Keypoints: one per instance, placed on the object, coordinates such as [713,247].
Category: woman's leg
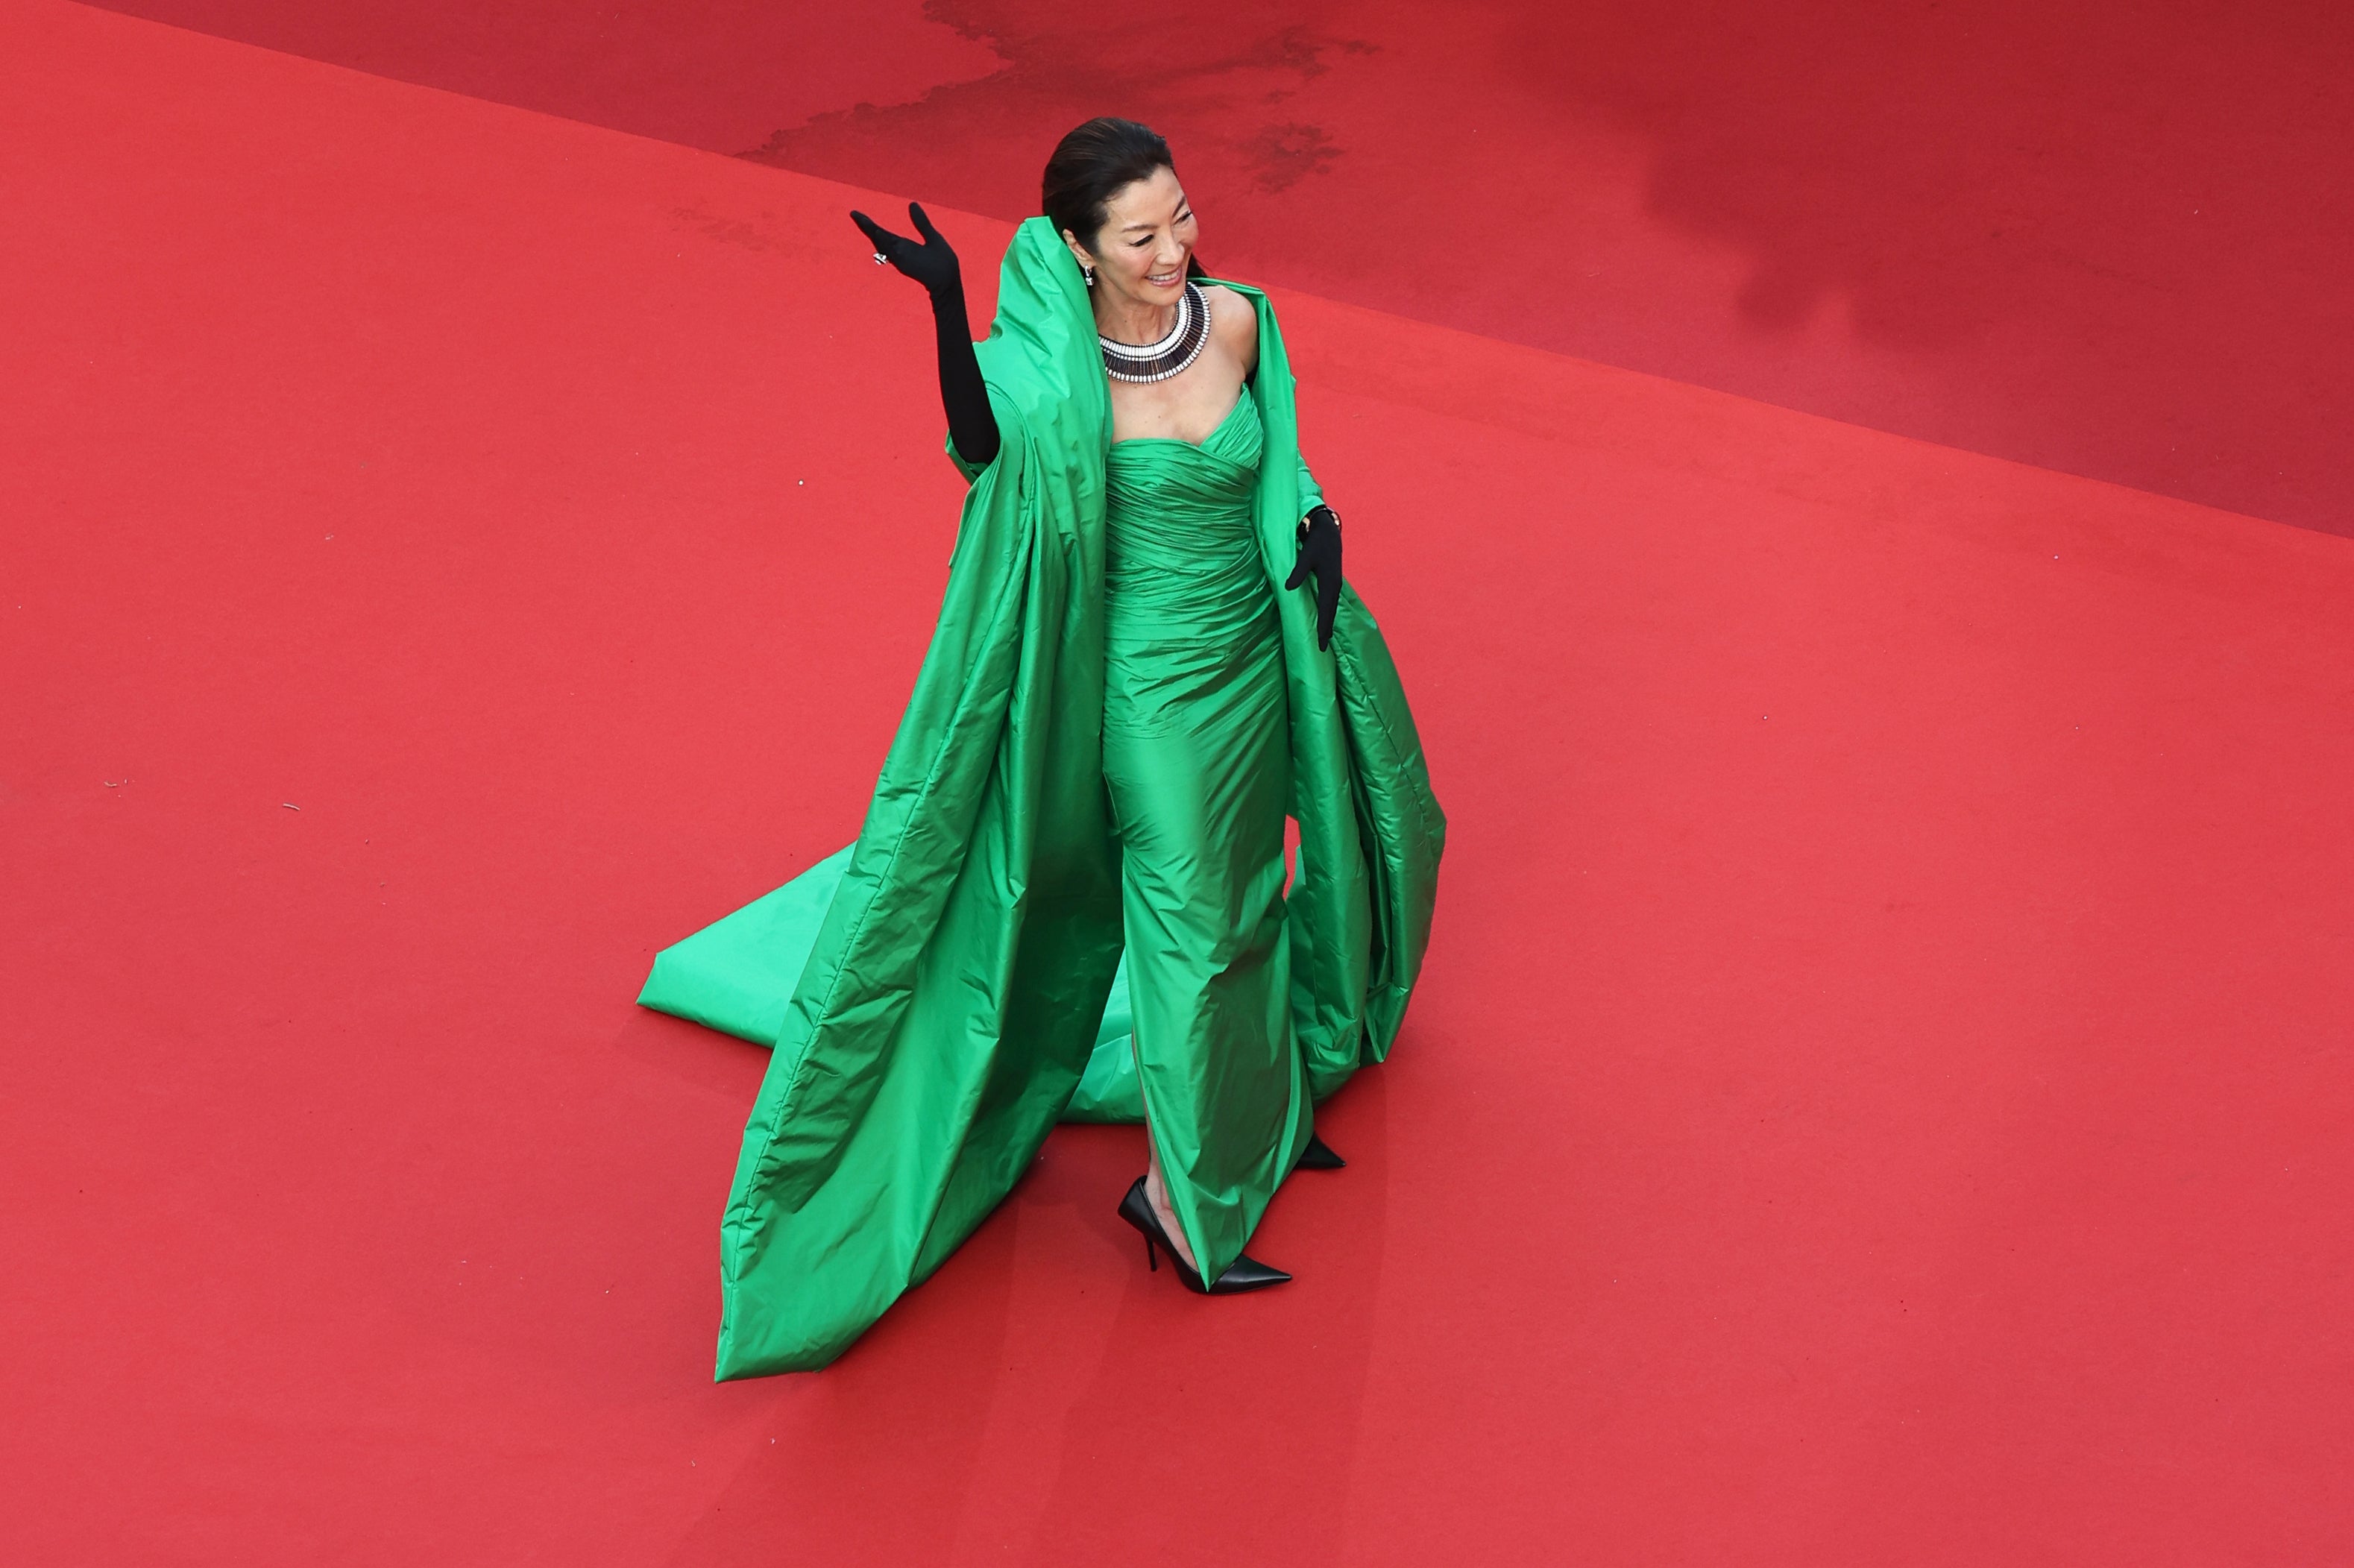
[1156,1193]
[1197,761]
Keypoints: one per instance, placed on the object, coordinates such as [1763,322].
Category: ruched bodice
[1181,557]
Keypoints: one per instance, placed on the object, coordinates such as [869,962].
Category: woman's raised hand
[930,262]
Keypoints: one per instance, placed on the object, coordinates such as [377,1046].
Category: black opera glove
[964,396]
[1320,558]
[930,263]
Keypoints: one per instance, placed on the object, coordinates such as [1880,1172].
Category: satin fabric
[953,988]
[1197,761]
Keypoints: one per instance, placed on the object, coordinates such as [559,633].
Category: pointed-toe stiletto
[1318,1156]
[1246,1273]
[1242,1274]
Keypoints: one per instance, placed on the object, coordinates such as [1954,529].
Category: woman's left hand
[1320,557]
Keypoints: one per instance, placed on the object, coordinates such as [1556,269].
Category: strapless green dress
[1197,765]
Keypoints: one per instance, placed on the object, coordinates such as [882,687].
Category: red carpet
[1879,1094]
[2104,237]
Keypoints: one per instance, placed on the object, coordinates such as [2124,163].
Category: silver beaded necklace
[1160,361]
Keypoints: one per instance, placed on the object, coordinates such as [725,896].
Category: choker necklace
[1160,361]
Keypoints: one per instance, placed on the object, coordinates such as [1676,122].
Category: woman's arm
[1234,323]
[1319,528]
[964,396]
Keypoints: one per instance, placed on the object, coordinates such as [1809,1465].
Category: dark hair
[1094,163]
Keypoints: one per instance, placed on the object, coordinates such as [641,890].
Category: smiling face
[1140,253]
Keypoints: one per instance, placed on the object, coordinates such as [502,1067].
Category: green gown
[1198,766]
[1118,708]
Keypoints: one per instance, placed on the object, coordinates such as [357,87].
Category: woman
[1117,711]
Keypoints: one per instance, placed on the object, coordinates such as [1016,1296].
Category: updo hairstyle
[1094,163]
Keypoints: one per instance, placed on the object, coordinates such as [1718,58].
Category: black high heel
[1242,1274]
[1318,1156]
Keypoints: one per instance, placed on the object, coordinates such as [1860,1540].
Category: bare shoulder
[1230,310]
[1233,322]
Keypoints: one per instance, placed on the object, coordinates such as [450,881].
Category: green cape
[935,992]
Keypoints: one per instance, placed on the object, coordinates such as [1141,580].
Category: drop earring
[1091,274]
